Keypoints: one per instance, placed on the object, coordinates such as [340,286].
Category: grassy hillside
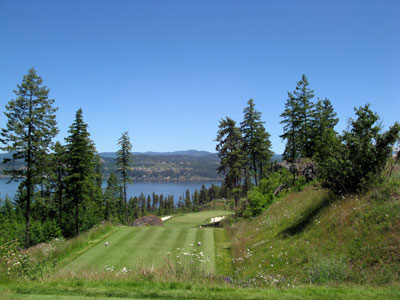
[314,237]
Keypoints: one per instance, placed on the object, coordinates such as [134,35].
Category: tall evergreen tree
[324,119]
[256,143]
[291,128]
[31,126]
[203,197]
[188,203]
[232,160]
[111,197]
[124,158]
[80,157]
[303,95]
[59,166]
[298,115]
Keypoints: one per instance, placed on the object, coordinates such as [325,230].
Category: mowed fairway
[130,247]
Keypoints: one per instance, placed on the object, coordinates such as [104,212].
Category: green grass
[174,290]
[194,219]
[309,245]
[313,237]
[148,247]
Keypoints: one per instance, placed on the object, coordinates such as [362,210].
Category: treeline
[345,163]
[61,188]
[157,204]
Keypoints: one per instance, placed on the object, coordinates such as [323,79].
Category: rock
[150,220]
[301,167]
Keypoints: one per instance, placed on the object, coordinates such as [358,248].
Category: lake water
[175,188]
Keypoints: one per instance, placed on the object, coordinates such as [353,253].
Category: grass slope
[313,237]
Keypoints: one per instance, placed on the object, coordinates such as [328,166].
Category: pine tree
[188,203]
[196,202]
[298,116]
[324,119]
[303,95]
[232,160]
[31,126]
[111,197]
[80,158]
[155,202]
[256,143]
[203,197]
[142,203]
[124,158]
[148,203]
[59,165]
[291,129]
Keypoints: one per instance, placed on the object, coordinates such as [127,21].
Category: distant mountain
[277,157]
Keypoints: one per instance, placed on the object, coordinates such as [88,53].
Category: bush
[262,196]
[349,163]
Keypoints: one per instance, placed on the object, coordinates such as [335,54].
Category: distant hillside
[167,166]
[178,165]
[193,153]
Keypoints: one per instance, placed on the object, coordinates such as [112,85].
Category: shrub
[349,163]
[262,196]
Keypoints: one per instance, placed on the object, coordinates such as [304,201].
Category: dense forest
[61,192]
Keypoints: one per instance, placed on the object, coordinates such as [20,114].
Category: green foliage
[262,196]
[256,143]
[31,125]
[124,158]
[232,160]
[80,156]
[305,122]
[349,163]
[297,116]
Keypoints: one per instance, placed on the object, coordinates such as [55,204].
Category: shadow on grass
[307,216]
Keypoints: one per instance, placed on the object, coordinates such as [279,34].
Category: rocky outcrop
[148,221]
[301,167]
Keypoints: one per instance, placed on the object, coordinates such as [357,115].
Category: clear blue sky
[168,71]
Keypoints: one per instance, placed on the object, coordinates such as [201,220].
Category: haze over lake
[175,188]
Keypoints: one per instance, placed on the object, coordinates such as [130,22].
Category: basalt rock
[300,167]
[148,221]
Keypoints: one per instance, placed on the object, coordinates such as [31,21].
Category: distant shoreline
[2,176]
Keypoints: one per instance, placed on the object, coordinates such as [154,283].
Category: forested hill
[178,165]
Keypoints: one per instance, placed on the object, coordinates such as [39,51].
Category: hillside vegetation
[316,237]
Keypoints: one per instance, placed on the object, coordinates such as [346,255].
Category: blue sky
[168,71]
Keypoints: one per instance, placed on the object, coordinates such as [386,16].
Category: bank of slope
[315,237]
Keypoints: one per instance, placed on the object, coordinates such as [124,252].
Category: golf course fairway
[149,246]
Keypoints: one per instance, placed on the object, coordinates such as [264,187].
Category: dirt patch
[148,221]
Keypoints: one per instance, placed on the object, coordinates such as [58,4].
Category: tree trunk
[28,175]
[126,205]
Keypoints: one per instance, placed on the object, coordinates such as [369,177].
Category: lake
[175,188]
